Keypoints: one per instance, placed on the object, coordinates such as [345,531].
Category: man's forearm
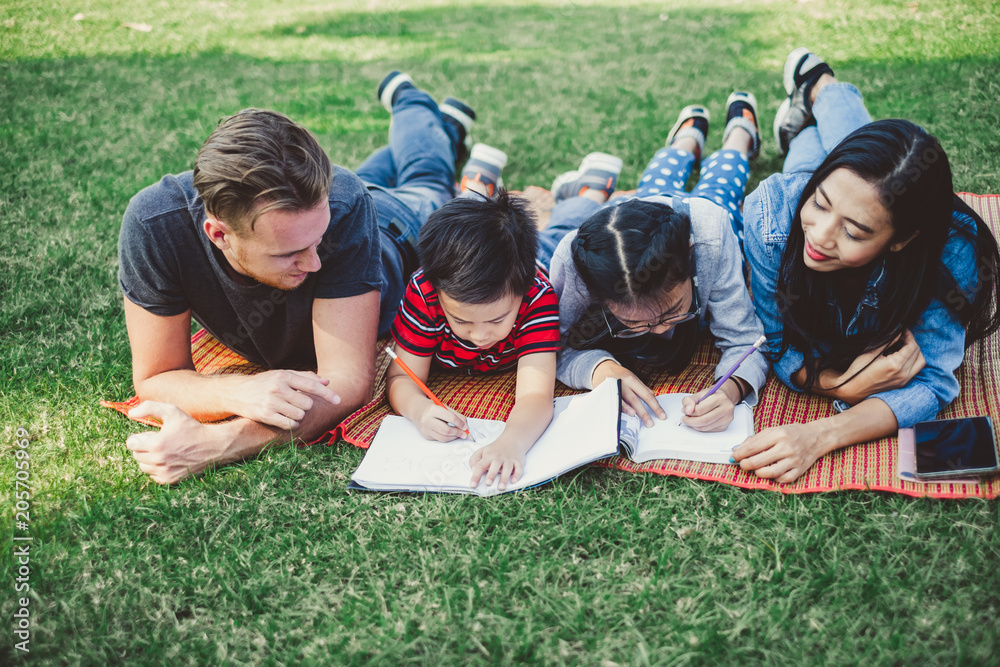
[242,438]
[204,397]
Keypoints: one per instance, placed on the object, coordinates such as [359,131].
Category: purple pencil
[722,380]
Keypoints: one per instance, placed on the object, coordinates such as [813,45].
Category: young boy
[481,303]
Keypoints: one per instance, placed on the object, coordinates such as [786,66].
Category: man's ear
[218,232]
[896,247]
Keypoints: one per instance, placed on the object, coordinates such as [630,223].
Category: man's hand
[280,398]
[180,448]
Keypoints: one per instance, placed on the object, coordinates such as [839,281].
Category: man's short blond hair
[257,161]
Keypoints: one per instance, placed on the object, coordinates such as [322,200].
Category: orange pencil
[423,387]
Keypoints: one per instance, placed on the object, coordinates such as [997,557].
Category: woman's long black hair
[910,171]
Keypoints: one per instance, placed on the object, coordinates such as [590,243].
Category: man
[283,258]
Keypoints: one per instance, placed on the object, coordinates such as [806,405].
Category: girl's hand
[505,460]
[636,396]
[715,412]
[434,421]
[782,453]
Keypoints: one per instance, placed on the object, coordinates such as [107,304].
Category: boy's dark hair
[257,161]
[478,250]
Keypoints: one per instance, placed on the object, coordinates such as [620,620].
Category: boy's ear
[896,247]
[217,231]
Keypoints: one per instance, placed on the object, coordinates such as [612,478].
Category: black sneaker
[460,116]
[741,111]
[802,70]
[692,122]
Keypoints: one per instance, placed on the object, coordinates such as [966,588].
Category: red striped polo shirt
[422,329]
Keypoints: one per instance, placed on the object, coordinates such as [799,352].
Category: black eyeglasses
[672,320]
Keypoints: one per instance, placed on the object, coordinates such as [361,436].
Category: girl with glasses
[647,276]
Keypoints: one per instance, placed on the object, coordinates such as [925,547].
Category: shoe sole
[388,87]
[562,179]
[750,100]
[602,162]
[489,155]
[743,96]
[791,65]
[456,103]
[450,108]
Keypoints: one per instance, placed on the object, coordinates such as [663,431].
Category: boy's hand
[498,458]
[441,423]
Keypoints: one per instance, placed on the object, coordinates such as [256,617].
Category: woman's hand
[636,396]
[785,453]
[782,453]
[872,372]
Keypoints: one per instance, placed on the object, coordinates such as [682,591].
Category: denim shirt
[768,215]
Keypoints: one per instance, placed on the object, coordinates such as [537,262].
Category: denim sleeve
[941,338]
[574,368]
[764,257]
[731,315]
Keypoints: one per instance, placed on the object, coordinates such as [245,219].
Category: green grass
[272,561]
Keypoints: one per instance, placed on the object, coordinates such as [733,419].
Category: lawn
[272,561]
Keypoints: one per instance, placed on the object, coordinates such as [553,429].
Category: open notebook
[584,428]
[669,439]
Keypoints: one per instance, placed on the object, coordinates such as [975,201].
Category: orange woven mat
[868,466]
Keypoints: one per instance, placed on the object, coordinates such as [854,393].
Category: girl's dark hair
[910,172]
[478,250]
[632,253]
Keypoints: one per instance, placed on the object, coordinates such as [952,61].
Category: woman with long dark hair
[646,277]
[871,277]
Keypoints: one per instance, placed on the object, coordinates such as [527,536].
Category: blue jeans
[723,181]
[409,179]
[838,110]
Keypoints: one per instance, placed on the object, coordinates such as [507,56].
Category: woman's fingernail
[732,460]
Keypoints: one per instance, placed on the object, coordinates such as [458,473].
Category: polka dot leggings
[723,179]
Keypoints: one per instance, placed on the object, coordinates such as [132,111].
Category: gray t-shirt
[168,265]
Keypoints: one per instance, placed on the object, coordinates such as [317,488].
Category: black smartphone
[963,447]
